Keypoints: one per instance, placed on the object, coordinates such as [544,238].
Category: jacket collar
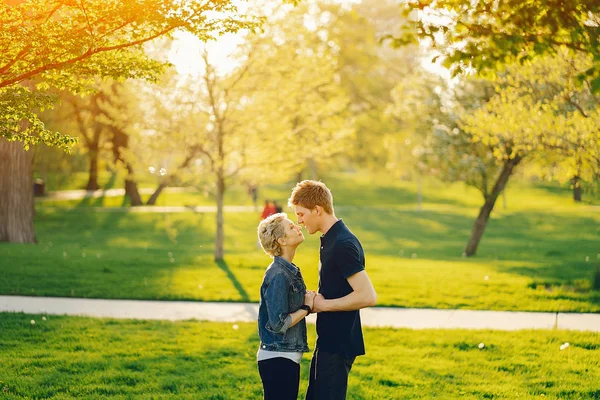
[282,261]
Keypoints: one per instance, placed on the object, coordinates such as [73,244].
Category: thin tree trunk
[312,165]
[220,237]
[152,200]
[419,193]
[16,193]
[576,183]
[93,164]
[488,206]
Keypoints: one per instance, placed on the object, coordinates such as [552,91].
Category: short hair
[269,230]
[309,194]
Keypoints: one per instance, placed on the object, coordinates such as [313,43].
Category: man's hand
[318,303]
[309,297]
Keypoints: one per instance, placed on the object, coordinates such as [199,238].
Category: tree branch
[90,52]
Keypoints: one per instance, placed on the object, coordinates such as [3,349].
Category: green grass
[67,357]
[533,253]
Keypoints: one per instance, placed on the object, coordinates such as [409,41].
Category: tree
[298,97]
[535,110]
[241,124]
[432,141]
[65,44]
[368,72]
[87,111]
[485,35]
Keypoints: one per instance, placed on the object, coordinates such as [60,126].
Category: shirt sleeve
[276,295]
[350,259]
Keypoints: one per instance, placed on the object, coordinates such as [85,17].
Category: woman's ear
[281,241]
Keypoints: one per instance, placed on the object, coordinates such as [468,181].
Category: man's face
[308,218]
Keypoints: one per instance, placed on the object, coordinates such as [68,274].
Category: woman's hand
[309,298]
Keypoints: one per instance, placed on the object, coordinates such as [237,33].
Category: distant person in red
[268,210]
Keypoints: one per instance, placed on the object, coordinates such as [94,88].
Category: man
[344,288]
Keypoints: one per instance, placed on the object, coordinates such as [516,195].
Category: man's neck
[328,221]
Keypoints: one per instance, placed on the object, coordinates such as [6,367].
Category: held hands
[309,298]
[318,303]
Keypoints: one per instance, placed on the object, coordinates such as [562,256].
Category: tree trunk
[488,206]
[120,140]
[16,193]
[419,193]
[131,190]
[312,166]
[220,237]
[152,200]
[93,172]
[576,183]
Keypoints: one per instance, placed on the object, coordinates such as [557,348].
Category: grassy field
[67,357]
[538,254]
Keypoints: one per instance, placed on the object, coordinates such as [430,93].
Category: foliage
[485,35]
[65,44]
[538,109]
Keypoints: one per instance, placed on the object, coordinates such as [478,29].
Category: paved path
[84,194]
[161,209]
[247,312]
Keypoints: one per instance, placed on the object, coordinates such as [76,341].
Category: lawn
[538,254]
[69,357]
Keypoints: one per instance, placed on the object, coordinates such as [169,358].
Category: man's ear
[319,210]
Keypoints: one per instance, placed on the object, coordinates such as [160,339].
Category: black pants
[280,378]
[328,376]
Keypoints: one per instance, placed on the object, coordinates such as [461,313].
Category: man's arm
[363,295]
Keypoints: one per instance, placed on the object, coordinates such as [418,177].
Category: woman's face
[293,233]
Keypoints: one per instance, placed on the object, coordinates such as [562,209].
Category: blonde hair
[269,230]
[309,194]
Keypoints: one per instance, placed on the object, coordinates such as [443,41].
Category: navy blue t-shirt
[341,256]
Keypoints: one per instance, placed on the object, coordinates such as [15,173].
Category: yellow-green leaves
[66,44]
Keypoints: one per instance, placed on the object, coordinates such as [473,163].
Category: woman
[284,304]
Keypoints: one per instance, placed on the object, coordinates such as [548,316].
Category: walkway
[93,194]
[247,312]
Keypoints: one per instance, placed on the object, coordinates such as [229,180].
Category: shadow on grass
[89,201]
[222,264]
[590,194]
[550,246]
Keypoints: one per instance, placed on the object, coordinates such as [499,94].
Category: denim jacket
[281,293]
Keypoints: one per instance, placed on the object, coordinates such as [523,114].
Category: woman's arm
[297,316]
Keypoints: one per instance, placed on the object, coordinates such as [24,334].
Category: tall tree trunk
[576,183]
[488,206]
[93,164]
[120,141]
[16,193]
[220,237]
